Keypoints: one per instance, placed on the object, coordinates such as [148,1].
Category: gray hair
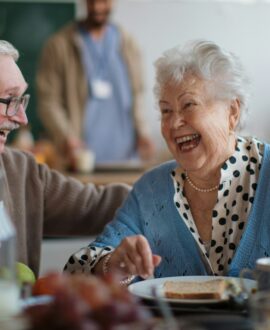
[7,49]
[205,60]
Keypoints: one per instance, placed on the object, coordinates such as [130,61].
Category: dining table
[186,317]
[230,314]
[99,177]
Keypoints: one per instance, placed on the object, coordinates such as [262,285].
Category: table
[204,318]
[106,177]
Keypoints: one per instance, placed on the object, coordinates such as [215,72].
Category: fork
[170,321]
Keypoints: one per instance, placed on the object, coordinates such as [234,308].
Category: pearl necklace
[203,190]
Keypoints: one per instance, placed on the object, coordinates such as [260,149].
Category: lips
[188,142]
[4,133]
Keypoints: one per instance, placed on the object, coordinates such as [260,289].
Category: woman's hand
[133,257]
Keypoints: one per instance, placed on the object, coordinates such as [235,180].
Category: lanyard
[98,51]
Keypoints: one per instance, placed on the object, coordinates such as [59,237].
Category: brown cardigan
[44,202]
[62,84]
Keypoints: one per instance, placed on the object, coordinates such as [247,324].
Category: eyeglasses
[13,104]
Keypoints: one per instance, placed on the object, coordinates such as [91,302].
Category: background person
[206,213]
[90,89]
[41,201]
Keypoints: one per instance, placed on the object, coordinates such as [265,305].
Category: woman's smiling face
[196,125]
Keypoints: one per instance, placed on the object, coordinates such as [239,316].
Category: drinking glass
[260,310]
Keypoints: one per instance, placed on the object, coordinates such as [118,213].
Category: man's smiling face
[12,84]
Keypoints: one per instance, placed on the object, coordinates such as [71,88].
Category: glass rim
[24,98]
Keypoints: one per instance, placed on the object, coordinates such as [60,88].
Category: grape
[87,303]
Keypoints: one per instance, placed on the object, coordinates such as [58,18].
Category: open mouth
[4,133]
[188,142]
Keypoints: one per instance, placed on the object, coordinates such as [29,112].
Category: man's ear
[234,113]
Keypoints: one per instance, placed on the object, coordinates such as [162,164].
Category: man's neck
[97,32]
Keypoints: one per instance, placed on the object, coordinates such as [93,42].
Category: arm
[52,98]
[124,236]
[73,208]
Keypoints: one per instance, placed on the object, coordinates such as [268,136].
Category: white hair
[7,49]
[207,61]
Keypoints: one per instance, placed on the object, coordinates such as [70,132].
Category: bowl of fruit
[80,302]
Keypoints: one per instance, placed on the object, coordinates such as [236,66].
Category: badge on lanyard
[101,89]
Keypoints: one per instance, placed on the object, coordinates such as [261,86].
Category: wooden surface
[101,178]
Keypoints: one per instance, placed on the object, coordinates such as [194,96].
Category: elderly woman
[206,213]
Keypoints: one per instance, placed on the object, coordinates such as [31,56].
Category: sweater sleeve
[73,208]
[127,222]
[51,102]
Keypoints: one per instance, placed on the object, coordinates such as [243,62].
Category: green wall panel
[27,25]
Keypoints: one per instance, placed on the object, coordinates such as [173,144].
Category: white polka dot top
[239,177]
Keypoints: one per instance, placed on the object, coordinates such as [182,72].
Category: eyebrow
[183,94]
[15,89]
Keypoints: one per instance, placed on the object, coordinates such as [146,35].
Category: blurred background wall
[240,26]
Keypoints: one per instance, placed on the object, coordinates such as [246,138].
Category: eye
[165,111]
[188,105]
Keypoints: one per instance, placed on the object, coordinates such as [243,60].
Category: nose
[177,119]
[20,117]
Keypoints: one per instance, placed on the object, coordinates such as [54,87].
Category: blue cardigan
[149,210]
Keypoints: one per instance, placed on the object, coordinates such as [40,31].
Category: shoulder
[22,163]
[62,37]
[15,158]
[158,175]
[126,38]
[66,30]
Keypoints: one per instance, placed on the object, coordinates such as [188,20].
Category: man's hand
[73,144]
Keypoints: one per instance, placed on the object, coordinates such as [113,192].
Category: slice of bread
[212,289]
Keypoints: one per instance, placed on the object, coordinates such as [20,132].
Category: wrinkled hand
[134,257]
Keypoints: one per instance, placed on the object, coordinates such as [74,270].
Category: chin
[191,164]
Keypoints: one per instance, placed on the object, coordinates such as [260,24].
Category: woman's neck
[209,176]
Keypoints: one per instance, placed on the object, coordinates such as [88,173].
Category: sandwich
[212,289]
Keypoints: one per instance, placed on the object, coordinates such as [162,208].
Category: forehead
[190,84]
[11,78]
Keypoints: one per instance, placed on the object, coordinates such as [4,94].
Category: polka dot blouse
[239,176]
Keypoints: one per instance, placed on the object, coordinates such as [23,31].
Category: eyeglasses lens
[15,103]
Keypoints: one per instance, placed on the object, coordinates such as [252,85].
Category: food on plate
[212,289]
[85,302]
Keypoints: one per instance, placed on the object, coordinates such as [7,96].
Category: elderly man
[41,201]
[90,83]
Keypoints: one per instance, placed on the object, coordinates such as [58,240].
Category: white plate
[38,300]
[144,289]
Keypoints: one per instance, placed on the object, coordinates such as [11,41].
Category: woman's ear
[234,114]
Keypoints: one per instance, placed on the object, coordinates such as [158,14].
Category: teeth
[187,138]
[4,132]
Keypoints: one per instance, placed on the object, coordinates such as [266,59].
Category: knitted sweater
[150,210]
[44,202]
